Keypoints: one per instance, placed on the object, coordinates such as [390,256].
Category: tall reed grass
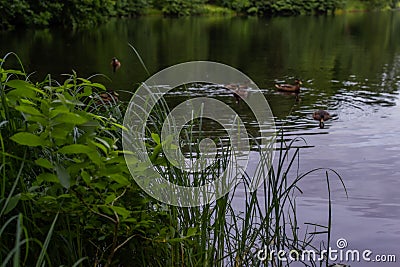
[231,230]
[67,198]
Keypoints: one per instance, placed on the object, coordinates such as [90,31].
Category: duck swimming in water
[321,116]
[115,64]
[294,88]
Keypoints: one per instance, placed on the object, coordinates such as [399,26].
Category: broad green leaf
[98,85]
[40,119]
[63,176]
[75,149]
[122,180]
[58,110]
[121,211]
[29,110]
[115,187]
[24,86]
[45,163]
[112,169]
[21,92]
[26,101]
[79,165]
[95,157]
[86,177]
[87,91]
[120,126]
[100,185]
[20,84]
[60,132]
[82,149]
[64,196]
[156,138]
[12,203]
[118,159]
[131,220]
[70,117]
[45,107]
[110,198]
[85,81]
[156,151]
[47,177]
[104,142]
[28,139]
[18,72]
[102,147]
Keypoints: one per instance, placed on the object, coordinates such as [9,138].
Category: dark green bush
[180,7]
[71,13]
[290,7]
[62,162]
[378,4]
[92,12]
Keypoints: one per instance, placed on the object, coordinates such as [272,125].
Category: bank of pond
[32,13]
[67,196]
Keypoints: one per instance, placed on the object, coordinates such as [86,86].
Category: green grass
[221,235]
[358,5]
[68,199]
[355,5]
[212,10]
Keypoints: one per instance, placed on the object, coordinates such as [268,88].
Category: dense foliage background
[92,12]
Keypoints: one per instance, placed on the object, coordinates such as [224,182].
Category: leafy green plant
[67,162]
[181,7]
[67,197]
[72,13]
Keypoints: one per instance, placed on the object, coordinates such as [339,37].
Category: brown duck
[321,116]
[294,88]
[110,97]
[115,64]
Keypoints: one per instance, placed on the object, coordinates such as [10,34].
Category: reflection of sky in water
[365,151]
[362,144]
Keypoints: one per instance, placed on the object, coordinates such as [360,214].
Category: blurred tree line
[73,13]
[68,13]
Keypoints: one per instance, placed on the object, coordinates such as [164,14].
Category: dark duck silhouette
[293,88]
[321,116]
[115,64]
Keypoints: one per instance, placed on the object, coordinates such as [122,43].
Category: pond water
[349,65]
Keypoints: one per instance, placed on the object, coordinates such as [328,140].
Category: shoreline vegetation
[86,14]
[68,199]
